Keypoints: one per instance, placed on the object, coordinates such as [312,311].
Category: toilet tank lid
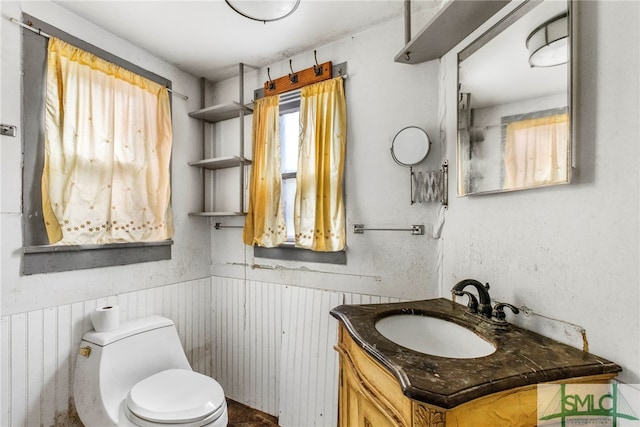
[127,329]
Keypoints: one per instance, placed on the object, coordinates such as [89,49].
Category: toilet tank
[121,358]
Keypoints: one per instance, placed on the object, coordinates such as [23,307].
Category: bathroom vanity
[386,384]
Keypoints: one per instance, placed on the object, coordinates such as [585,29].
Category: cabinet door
[356,407]
[370,416]
[348,398]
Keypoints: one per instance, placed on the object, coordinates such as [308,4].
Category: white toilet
[138,375]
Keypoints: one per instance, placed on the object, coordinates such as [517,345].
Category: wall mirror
[410,146]
[514,102]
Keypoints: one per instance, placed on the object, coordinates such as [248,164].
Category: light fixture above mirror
[547,44]
[264,10]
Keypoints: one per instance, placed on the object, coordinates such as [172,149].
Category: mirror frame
[496,29]
[426,139]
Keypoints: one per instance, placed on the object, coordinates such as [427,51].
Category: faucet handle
[498,310]
[472,305]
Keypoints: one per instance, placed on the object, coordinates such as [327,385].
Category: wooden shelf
[454,22]
[221,162]
[220,112]
[217,213]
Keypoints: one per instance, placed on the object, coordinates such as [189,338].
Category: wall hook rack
[297,79]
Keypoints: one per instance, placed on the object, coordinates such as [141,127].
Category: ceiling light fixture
[547,44]
[264,10]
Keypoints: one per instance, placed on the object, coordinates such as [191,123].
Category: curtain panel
[108,138]
[536,151]
[319,214]
[319,217]
[265,224]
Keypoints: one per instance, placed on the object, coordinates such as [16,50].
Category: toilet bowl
[189,399]
[138,375]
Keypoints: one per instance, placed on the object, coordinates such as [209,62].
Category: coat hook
[293,77]
[317,70]
[407,56]
[272,84]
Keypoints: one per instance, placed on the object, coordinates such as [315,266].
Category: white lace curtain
[108,142]
[536,151]
[319,217]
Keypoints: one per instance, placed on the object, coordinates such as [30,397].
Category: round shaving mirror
[410,146]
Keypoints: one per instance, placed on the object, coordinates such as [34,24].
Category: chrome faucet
[483,304]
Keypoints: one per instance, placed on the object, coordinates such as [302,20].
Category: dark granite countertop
[521,358]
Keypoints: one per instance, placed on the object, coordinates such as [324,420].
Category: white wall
[190,253]
[569,252]
[382,98]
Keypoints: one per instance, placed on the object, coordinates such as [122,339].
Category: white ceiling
[208,39]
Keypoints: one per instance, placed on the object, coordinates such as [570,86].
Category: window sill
[288,251]
[57,258]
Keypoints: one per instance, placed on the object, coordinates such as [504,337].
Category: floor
[244,416]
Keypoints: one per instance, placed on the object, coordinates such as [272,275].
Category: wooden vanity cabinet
[369,396]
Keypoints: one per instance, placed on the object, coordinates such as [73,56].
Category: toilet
[138,375]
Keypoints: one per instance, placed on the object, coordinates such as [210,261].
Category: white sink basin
[433,336]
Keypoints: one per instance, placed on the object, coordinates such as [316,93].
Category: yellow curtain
[319,218]
[265,225]
[108,143]
[536,151]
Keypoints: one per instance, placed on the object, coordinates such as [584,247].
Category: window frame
[38,255]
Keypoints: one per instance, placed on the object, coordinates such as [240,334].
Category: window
[39,256]
[291,129]
[535,148]
[289,136]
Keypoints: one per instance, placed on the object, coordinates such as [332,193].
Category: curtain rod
[45,35]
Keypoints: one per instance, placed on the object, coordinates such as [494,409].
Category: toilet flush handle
[85,351]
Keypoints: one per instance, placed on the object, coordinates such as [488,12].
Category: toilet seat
[175,397]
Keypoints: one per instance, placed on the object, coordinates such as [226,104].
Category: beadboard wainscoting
[39,348]
[273,348]
[269,345]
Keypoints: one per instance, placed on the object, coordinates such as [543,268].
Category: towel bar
[416,230]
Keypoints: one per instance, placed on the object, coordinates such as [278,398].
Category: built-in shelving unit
[216,114]
[455,21]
